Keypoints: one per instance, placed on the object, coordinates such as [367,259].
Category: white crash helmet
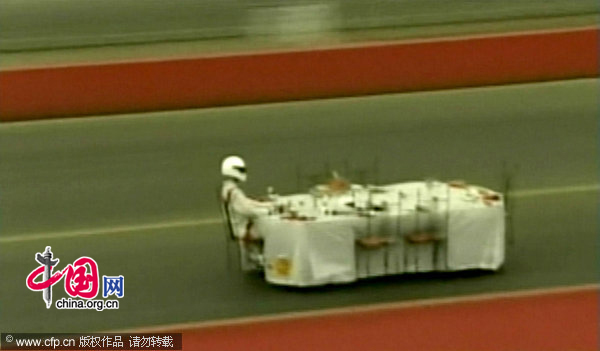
[234,167]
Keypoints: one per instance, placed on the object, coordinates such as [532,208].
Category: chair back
[226,214]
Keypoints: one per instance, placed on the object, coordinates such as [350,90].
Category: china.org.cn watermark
[81,282]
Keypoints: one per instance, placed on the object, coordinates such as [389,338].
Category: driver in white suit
[241,210]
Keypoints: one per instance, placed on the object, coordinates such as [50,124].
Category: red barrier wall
[537,322]
[373,69]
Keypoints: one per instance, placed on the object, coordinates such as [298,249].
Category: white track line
[555,191]
[216,220]
[366,308]
[110,230]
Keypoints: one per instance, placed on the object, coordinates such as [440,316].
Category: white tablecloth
[322,249]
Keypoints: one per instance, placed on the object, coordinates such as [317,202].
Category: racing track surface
[75,184]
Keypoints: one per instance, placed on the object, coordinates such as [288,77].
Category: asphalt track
[154,176]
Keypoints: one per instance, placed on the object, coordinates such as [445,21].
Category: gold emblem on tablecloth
[282,266]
